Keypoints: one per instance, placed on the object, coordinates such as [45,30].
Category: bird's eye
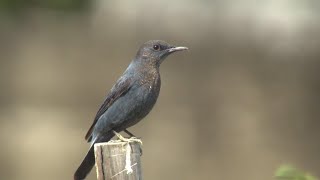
[156,47]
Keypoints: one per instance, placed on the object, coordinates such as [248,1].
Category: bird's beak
[174,49]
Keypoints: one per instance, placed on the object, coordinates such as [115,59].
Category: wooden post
[118,160]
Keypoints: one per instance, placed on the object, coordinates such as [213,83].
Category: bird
[130,99]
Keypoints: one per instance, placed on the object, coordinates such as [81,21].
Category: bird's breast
[149,87]
[151,82]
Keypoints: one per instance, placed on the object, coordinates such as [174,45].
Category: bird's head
[155,51]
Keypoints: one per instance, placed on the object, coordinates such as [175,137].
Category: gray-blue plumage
[129,108]
[130,99]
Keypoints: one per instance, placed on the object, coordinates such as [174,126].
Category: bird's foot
[128,140]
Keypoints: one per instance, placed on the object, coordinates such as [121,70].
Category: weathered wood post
[118,160]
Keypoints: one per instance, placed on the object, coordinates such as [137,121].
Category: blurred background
[242,101]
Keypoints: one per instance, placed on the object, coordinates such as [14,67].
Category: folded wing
[119,89]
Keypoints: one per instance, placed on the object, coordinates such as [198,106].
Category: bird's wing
[119,89]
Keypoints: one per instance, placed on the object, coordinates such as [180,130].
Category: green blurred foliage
[12,6]
[287,172]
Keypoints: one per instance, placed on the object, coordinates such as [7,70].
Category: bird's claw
[128,140]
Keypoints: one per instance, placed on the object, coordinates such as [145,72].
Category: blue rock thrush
[130,99]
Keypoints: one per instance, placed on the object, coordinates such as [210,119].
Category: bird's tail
[86,165]
[88,162]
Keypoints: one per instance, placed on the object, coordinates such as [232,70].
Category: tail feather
[88,162]
[86,165]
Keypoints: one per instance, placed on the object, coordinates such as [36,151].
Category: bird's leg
[132,136]
[129,133]
[131,139]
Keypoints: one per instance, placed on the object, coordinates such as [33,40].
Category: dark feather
[119,89]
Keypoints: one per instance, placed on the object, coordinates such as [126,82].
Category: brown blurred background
[242,101]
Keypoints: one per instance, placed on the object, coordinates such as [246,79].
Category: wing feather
[119,89]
